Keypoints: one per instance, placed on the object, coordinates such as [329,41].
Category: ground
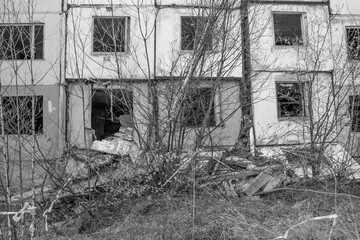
[210,215]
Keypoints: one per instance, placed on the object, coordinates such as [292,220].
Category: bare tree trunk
[246,123]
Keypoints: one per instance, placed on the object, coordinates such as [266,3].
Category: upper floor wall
[345,29]
[151,40]
[27,6]
[351,7]
[290,36]
[31,42]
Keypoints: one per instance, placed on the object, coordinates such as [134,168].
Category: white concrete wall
[79,110]
[46,71]
[227,114]
[315,33]
[16,75]
[344,7]
[310,62]
[272,129]
[82,63]
[346,70]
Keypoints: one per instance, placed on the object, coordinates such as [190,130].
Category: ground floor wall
[17,149]
[93,107]
[293,108]
[86,102]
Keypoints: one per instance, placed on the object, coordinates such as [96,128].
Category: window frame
[302,18]
[351,56]
[126,37]
[32,40]
[303,87]
[208,45]
[38,110]
[351,109]
[215,115]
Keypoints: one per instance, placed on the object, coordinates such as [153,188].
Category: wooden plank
[273,183]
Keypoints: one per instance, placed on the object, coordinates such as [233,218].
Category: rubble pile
[235,176]
[118,157]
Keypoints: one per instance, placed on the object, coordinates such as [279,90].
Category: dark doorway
[107,105]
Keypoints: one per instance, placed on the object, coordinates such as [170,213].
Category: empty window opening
[196,105]
[21,41]
[290,99]
[353,41]
[107,107]
[288,29]
[354,109]
[110,34]
[192,31]
[17,112]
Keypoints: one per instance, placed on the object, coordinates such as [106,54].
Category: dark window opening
[107,107]
[16,42]
[192,30]
[196,105]
[17,112]
[354,109]
[288,29]
[290,99]
[353,41]
[110,34]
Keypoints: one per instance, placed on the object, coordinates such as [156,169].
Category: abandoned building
[91,67]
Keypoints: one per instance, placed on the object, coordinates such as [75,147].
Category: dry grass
[219,217]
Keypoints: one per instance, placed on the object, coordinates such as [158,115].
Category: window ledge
[288,46]
[109,53]
[35,60]
[293,119]
[24,135]
[220,125]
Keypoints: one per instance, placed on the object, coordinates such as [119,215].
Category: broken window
[290,99]
[353,41]
[192,29]
[287,29]
[107,106]
[196,105]
[354,109]
[17,113]
[21,41]
[110,34]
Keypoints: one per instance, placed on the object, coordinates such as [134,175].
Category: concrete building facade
[90,63]
[32,60]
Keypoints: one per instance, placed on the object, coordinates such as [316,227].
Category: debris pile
[119,157]
[237,177]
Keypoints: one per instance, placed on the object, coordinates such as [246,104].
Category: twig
[308,190]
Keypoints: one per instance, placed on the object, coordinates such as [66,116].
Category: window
[110,34]
[287,29]
[196,105]
[354,109]
[107,105]
[353,41]
[290,99]
[24,120]
[23,41]
[192,29]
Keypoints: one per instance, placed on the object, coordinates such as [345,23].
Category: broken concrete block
[104,146]
[252,187]
[125,133]
[117,146]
